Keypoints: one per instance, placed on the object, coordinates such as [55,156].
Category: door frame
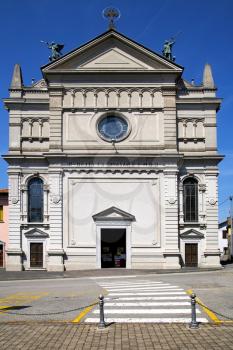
[37,267]
[199,248]
[113,225]
[189,243]
[35,235]
[29,253]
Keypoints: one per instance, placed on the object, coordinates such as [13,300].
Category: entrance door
[191,254]
[113,248]
[1,255]
[36,255]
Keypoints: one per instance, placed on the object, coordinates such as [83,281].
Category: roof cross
[111,14]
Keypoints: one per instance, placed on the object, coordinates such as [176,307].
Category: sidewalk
[30,275]
[116,337]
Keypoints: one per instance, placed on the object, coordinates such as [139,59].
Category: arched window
[190,200]
[35,200]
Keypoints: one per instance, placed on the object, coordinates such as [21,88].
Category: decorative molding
[191,139]
[202,187]
[56,199]
[27,225]
[113,214]
[193,234]
[14,252]
[14,200]
[56,252]
[33,119]
[150,97]
[112,171]
[36,233]
[191,119]
[212,201]
[118,90]
[172,200]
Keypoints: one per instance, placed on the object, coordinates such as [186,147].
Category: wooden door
[1,255]
[191,254]
[36,255]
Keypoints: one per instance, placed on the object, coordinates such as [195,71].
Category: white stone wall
[171,135]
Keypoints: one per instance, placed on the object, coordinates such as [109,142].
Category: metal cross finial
[111,14]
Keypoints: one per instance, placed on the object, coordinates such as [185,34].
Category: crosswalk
[144,301]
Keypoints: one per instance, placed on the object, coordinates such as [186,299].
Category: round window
[113,127]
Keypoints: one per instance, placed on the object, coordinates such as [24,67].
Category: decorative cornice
[112,171]
[118,90]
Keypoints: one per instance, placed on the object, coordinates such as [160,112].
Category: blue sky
[207,31]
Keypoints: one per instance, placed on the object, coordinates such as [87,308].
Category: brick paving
[115,337]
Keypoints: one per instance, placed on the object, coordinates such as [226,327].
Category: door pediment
[194,234]
[113,214]
[36,233]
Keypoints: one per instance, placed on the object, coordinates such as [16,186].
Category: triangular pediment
[192,234]
[39,84]
[115,59]
[36,233]
[112,51]
[112,214]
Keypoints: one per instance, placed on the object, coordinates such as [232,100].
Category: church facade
[113,162]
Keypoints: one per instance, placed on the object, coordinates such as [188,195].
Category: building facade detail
[113,162]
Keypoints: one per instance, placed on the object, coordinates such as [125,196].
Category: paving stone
[116,337]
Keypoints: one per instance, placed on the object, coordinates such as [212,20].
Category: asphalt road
[50,299]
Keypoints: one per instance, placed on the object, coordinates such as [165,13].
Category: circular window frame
[117,114]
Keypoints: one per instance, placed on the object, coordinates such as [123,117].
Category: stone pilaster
[55,251]
[211,249]
[55,120]
[171,236]
[170,127]
[14,251]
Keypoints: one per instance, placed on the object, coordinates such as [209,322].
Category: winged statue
[55,49]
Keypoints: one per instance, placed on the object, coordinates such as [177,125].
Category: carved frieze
[191,130]
[35,129]
[113,98]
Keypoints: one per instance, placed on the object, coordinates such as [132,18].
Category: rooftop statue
[167,49]
[55,50]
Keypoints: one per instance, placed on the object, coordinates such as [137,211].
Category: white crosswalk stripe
[144,301]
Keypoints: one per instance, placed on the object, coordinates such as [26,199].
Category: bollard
[101,324]
[193,323]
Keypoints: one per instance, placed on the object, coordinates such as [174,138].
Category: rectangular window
[191,202]
[1,212]
[224,234]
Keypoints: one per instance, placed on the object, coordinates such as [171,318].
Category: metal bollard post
[194,323]
[101,324]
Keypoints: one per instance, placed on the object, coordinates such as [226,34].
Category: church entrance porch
[113,247]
